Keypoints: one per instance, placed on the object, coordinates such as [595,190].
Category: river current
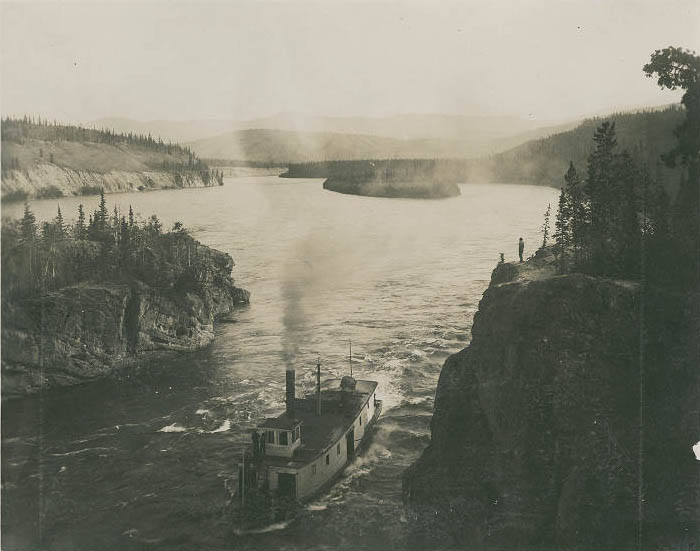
[143,461]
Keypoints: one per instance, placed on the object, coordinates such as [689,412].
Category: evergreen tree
[680,68]
[578,212]
[600,188]
[101,215]
[28,224]
[625,240]
[562,232]
[80,224]
[60,226]
[545,226]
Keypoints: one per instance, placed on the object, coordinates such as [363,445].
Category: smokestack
[318,387]
[290,393]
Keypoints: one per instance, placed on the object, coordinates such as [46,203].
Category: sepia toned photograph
[350,275]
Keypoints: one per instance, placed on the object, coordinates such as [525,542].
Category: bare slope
[47,160]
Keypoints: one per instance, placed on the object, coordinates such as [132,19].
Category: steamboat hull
[301,453]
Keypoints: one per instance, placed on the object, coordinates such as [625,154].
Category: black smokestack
[290,393]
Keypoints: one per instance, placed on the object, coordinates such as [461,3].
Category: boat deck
[339,409]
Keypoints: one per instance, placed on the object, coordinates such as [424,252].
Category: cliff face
[535,434]
[86,331]
[52,180]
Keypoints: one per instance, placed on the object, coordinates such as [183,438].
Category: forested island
[43,159]
[411,178]
[81,300]
[569,420]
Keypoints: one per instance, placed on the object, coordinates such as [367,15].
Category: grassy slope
[89,156]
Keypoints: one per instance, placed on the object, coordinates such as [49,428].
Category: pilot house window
[283,438]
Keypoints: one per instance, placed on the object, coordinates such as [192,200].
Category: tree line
[618,220]
[19,129]
[384,170]
[102,246]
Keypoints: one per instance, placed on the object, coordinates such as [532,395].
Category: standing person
[521,248]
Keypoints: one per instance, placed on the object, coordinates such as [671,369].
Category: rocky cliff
[48,180]
[536,428]
[88,330]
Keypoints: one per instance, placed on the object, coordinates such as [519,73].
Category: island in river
[411,178]
[80,301]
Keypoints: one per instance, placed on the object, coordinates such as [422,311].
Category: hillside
[49,160]
[287,146]
[544,161]
[476,129]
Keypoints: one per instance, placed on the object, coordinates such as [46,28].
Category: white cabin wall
[307,483]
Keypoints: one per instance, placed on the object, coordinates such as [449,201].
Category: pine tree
[28,224]
[578,212]
[600,188]
[625,240]
[131,217]
[60,226]
[101,215]
[562,231]
[80,224]
[545,226]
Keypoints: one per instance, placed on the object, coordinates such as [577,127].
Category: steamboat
[300,453]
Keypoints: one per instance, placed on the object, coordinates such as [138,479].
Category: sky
[547,60]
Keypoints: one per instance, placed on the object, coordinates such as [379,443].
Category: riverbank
[47,181]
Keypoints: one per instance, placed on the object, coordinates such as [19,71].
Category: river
[142,461]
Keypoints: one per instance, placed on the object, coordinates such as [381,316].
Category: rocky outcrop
[536,427]
[410,190]
[49,180]
[86,331]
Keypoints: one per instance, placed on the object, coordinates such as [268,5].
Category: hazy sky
[551,60]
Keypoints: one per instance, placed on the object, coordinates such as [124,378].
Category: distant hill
[286,146]
[405,126]
[41,159]
[646,135]
[298,138]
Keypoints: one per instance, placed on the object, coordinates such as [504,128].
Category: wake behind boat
[299,453]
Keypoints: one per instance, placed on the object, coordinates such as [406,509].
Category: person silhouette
[521,248]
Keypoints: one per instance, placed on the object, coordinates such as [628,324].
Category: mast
[318,387]
[350,357]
